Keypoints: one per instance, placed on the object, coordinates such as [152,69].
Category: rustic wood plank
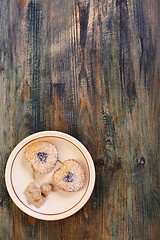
[91,69]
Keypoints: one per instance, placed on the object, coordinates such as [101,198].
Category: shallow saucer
[59,204]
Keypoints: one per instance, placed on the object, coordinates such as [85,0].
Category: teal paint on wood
[90,69]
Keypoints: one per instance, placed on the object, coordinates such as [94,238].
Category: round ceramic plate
[58,204]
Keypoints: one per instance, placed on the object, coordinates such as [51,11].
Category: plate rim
[86,195]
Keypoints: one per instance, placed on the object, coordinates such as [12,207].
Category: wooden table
[90,69]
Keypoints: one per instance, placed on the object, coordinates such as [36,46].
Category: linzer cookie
[70,177]
[42,156]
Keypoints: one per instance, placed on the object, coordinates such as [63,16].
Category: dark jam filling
[42,156]
[69,177]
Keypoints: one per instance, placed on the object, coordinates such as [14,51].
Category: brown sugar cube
[33,194]
[34,191]
[39,203]
[46,189]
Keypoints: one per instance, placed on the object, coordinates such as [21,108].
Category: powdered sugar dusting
[38,147]
[78,173]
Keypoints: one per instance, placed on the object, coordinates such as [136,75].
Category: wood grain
[91,69]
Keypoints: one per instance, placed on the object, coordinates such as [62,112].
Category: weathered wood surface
[90,69]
